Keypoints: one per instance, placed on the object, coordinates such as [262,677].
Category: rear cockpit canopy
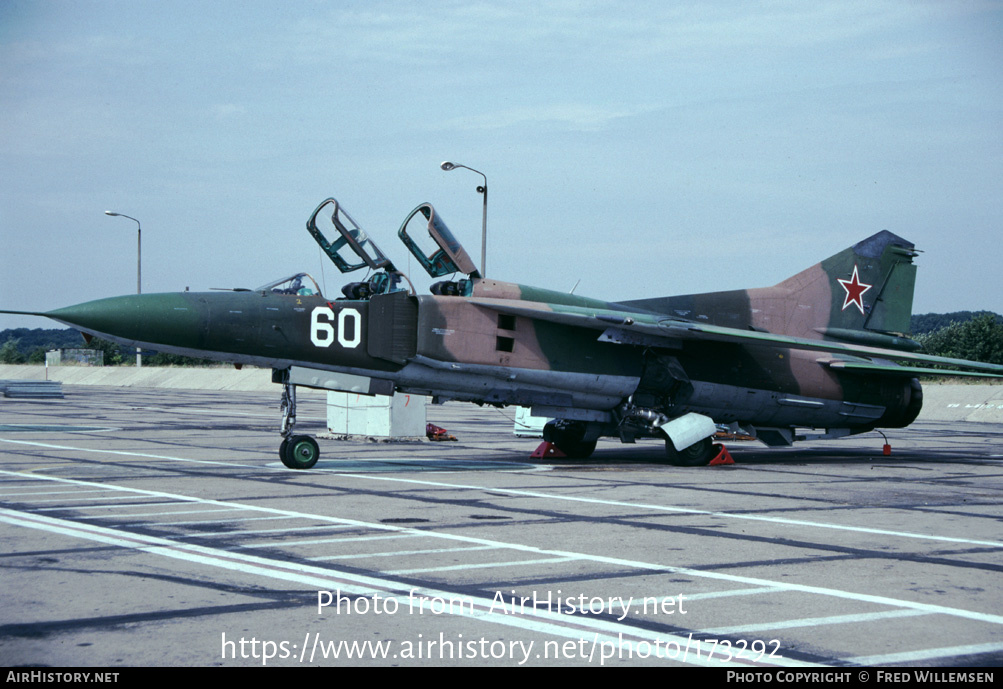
[429,240]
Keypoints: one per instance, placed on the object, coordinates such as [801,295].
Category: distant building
[74,357]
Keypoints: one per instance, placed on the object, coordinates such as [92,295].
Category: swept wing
[653,329]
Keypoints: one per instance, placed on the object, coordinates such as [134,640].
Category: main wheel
[300,452]
[567,437]
[696,455]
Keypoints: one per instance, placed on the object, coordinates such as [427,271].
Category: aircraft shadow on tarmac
[645,457]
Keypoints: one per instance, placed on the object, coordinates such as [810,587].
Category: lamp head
[447,166]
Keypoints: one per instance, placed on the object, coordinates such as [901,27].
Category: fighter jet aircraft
[824,351]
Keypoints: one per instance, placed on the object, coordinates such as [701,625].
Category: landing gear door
[352,248]
[427,237]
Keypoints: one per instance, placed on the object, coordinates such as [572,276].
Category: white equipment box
[397,417]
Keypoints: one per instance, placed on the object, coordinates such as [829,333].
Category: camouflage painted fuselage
[824,349]
[571,357]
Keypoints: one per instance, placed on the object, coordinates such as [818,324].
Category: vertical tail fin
[863,294]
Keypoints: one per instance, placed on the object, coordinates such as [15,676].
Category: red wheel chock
[433,432]
[547,451]
[723,456]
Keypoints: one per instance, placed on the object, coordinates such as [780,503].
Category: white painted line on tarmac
[405,553]
[380,537]
[927,654]
[614,561]
[603,633]
[556,496]
[119,453]
[107,507]
[313,541]
[416,460]
[458,465]
[68,502]
[728,594]
[437,465]
[48,492]
[481,565]
[170,513]
[53,428]
[814,621]
[249,532]
[680,510]
[228,520]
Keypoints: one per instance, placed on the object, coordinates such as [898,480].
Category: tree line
[978,339]
[28,346]
[926,323]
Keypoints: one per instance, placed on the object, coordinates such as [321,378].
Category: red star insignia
[854,290]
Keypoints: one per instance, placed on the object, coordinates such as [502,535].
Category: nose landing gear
[296,451]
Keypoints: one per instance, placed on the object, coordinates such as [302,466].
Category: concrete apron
[246,379]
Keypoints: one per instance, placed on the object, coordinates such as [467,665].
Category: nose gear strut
[296,451]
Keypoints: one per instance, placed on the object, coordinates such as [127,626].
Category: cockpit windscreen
[301,284]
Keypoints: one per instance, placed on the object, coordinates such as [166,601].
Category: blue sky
[645,149]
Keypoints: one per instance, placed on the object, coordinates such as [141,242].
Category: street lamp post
[139,265]
[483,191]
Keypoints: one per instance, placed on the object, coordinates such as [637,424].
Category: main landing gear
[569,438]
[696,455]
[296,451]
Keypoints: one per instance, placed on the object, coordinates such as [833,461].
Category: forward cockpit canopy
[352,248]
[301,284]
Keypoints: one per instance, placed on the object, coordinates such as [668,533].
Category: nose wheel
[299,452]
[296,451]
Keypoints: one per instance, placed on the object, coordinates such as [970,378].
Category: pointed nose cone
[104,316]
[137,318]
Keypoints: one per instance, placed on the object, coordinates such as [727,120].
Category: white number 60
[322,331]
